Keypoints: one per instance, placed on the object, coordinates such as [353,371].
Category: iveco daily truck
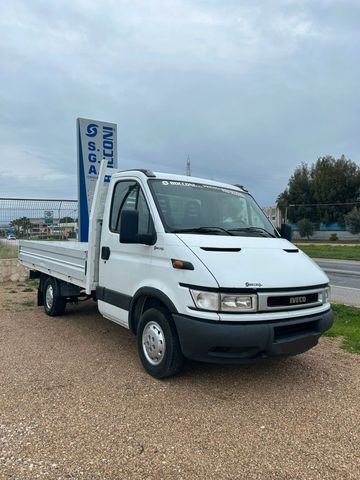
[192,267]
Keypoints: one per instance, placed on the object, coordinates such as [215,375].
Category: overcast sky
[248,88]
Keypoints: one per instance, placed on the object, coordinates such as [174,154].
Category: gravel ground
[76,404]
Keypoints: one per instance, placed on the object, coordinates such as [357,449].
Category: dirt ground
[76,404]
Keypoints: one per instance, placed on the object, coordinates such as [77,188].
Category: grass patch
[28,289]
[340,252]
[32,283]
[12,291]
[328,242]
[28,303]
[8,252]
[346,325]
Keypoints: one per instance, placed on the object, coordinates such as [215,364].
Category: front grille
[289,300]
[292,300]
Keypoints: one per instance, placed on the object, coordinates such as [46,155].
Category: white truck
[192,267]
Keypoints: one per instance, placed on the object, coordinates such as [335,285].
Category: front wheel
[158,344]
[54,303]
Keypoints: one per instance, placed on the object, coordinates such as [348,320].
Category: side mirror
[147,238]
[286,231]
[129,226]
[129,229]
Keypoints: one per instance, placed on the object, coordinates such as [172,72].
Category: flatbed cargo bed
[64,260]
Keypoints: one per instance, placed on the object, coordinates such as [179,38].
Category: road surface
[344,278]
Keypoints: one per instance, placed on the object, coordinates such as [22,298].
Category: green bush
[305,228]
[353,220]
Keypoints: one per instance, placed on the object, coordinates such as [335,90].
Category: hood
[253,262]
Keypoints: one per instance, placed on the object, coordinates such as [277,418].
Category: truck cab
[200,259]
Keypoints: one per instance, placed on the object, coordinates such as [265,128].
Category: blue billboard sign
[48,217]
[95,141]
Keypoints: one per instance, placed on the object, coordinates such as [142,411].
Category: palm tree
[21,225]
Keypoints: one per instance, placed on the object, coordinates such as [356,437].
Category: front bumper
[241,342]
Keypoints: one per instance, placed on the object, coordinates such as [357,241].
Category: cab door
[123,266]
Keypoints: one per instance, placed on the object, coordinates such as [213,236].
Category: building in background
[274,215]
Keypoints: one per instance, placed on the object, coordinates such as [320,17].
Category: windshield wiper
[253,229]
[202,230]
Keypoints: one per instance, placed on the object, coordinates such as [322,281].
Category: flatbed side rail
[64,260]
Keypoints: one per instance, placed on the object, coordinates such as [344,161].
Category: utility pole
[188,166]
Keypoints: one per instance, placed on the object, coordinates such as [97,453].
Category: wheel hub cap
[49,297]
[153,341]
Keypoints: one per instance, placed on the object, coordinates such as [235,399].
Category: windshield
[187,207]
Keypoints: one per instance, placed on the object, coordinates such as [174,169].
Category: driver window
[129,196]
[124,196]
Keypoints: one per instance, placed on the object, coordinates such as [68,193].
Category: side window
[129,196]
[130,200]
[124,196]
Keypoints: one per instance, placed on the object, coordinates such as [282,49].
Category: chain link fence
[58,219]
[41,219]
[327,222]
[38,219]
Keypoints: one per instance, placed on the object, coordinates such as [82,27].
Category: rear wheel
[158,344]
[54,303]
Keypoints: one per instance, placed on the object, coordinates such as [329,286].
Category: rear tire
[54,304]
[158,344]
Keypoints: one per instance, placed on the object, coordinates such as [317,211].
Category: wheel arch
[145,298]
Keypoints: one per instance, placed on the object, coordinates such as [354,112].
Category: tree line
[23,225]
[327,191]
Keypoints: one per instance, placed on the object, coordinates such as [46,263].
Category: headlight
[205,300]
[224,302]
[325,295]
[238,303]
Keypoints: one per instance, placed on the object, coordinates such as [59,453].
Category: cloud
[248,89]
[23,170]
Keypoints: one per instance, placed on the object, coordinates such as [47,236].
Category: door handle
[105,253]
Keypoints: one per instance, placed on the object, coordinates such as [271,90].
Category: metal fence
[328,221]
[38,218]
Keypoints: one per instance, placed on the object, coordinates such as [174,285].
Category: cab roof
[146,174]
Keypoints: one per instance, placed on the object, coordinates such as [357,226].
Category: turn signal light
[181,264]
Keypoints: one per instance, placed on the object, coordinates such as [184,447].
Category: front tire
[158,344]
[54,303]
